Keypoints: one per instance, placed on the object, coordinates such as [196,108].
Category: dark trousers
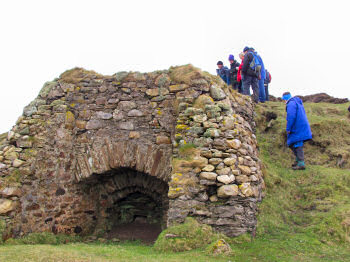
[298,152]
[267,92]
[250,81]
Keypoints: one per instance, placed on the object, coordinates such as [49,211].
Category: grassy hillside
[305,215]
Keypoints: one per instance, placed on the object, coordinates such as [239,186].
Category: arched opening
[128,205]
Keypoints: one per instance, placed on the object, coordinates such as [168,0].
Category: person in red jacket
[239,76]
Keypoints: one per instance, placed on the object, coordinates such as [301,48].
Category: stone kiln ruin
[95,152]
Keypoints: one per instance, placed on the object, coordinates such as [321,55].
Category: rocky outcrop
[179,137]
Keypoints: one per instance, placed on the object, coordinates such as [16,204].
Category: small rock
[242,179]
[212,132]
[217,93]
[171,236]
[220,247]
[246,189]
[80,124]
[226,179]
[17,163]
[10,135]
[230,161]
[10,191]
[101,100]
[6,206]
[157,92]
[94,124]
[199,118]
[113,101]
[126,105]
[126,126]
[245,170]
[234,143]
[208,175]
[134,135]
[2,166]
[213,198]
[103,115]
[228,191]
[118,115]
[135,112]
[224,171]
[215,161]
[177,88]
[208,168]
[162,140]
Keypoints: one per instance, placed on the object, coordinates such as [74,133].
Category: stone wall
[178,136]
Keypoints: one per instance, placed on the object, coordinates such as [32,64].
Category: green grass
[305,216]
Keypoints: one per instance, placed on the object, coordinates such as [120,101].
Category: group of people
[250,73]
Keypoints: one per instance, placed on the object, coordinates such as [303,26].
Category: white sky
[304,44]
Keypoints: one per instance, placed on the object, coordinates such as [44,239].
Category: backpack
[255,65]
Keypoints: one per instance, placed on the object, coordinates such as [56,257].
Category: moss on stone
[184,74]
[77,75]
[48,86]
[187,236]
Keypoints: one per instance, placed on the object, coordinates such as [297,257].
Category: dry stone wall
[179,137]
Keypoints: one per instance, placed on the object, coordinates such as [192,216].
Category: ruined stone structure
[92,152]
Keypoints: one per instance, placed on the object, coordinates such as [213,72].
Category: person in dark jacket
[223,72]
[249,76]
[298,128]
[267,81]
[234,65]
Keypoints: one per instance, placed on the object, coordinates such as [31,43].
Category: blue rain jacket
[298,127]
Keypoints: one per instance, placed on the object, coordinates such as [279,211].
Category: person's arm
[291,115]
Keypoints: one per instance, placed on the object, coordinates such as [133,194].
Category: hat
[246,49]
[231,57]
[220,63]
[286,96]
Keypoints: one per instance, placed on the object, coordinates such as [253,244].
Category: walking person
[298,129]
[250,74]
[223,72]
[234,65]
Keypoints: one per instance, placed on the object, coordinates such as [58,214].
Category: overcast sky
[304,44]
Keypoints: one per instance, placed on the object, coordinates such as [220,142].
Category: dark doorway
[129,205]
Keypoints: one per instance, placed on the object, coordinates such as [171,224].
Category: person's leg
[246,85]
[261,91]
[300,156]
[267,93]
[295,154]
[255,87]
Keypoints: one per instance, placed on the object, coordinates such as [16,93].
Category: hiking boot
[295,164]
[299,166]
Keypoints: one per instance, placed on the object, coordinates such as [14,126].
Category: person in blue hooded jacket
[298,128]
[262,95]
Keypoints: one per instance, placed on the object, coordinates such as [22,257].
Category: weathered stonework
[170,144]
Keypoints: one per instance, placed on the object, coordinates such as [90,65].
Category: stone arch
[125,198]
[103,157]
